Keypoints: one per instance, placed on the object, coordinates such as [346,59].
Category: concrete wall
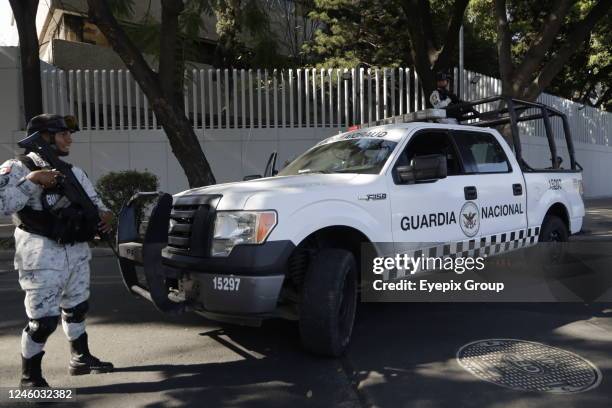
[595,159]
[11,102]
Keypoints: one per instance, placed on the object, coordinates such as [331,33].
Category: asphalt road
[402,355]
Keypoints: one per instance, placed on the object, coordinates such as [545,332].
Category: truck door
[500,188]
[437,211]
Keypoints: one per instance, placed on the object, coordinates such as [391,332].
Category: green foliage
[122,8]
[243,29]
[359,32]
[588,71]
[116,188]
[373,33]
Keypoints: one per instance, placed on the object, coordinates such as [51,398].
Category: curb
[9,254]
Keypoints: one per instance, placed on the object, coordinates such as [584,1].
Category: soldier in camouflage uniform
[54,276]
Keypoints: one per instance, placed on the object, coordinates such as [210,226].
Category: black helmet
[442,76]
[72,123]
[47,122]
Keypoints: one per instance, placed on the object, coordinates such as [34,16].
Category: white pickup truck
[289,246]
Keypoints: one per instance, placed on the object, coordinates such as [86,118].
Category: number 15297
[226,283]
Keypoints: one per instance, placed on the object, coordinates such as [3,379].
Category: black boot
[31,372]
[82,362]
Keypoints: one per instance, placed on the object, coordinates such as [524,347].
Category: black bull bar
[146,252]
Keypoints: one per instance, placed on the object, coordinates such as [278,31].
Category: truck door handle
[470,193]
[517,189]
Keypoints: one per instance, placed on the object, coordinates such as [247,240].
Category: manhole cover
[528,366]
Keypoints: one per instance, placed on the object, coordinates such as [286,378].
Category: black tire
[553,230]
[329,300]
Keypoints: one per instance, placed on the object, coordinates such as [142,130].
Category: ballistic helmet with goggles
[47,122]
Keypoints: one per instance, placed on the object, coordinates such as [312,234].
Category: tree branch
[504,41]
[25,17]
[426,25]
[171,9]
[422,49]
[555,64]
[177,127]
[537,52]
[452,35]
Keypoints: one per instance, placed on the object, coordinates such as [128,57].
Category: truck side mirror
[423,168]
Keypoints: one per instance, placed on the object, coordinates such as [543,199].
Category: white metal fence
[322,98]
[226,99]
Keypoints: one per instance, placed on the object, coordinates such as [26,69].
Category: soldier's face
[63,140]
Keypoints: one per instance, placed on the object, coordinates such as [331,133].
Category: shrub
[116,188]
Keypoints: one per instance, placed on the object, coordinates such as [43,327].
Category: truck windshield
[363,155]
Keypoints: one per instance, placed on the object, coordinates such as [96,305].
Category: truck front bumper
[255,295]
[175,280]
[256,273]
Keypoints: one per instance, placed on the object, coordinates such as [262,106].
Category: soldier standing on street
[50,254]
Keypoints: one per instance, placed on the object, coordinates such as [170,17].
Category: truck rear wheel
[553,230]
[329,301]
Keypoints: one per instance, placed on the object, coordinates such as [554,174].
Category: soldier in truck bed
[51,252]
[443,98]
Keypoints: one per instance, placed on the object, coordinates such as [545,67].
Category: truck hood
[235,195]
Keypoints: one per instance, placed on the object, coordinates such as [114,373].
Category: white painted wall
[11,100]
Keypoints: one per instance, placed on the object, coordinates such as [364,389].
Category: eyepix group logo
[469,219]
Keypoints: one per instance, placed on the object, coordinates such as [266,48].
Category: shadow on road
[402,355]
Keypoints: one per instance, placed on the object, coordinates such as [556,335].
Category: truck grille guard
[169,228]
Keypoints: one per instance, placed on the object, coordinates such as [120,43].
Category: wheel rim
[555,236]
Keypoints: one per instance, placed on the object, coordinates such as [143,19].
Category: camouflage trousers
[47,291]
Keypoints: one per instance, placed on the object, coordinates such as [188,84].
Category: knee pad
[76,314]
[39,330]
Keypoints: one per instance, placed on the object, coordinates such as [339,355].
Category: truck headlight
[241,227]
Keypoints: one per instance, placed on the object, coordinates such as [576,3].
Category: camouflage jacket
[33,251]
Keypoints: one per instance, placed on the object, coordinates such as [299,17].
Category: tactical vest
[60,220]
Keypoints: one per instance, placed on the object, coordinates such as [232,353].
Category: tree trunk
[530,79]
[581,30]
[183,140]
[504,50]
[171,71]
[25,17]
[428,56]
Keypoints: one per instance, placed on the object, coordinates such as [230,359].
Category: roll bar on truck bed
[508,111]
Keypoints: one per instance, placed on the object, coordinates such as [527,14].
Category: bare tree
[548,52]
[163,98]
[24,12]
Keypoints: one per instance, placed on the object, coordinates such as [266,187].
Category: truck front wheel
[329,301]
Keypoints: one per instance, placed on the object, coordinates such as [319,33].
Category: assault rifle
[68,183]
